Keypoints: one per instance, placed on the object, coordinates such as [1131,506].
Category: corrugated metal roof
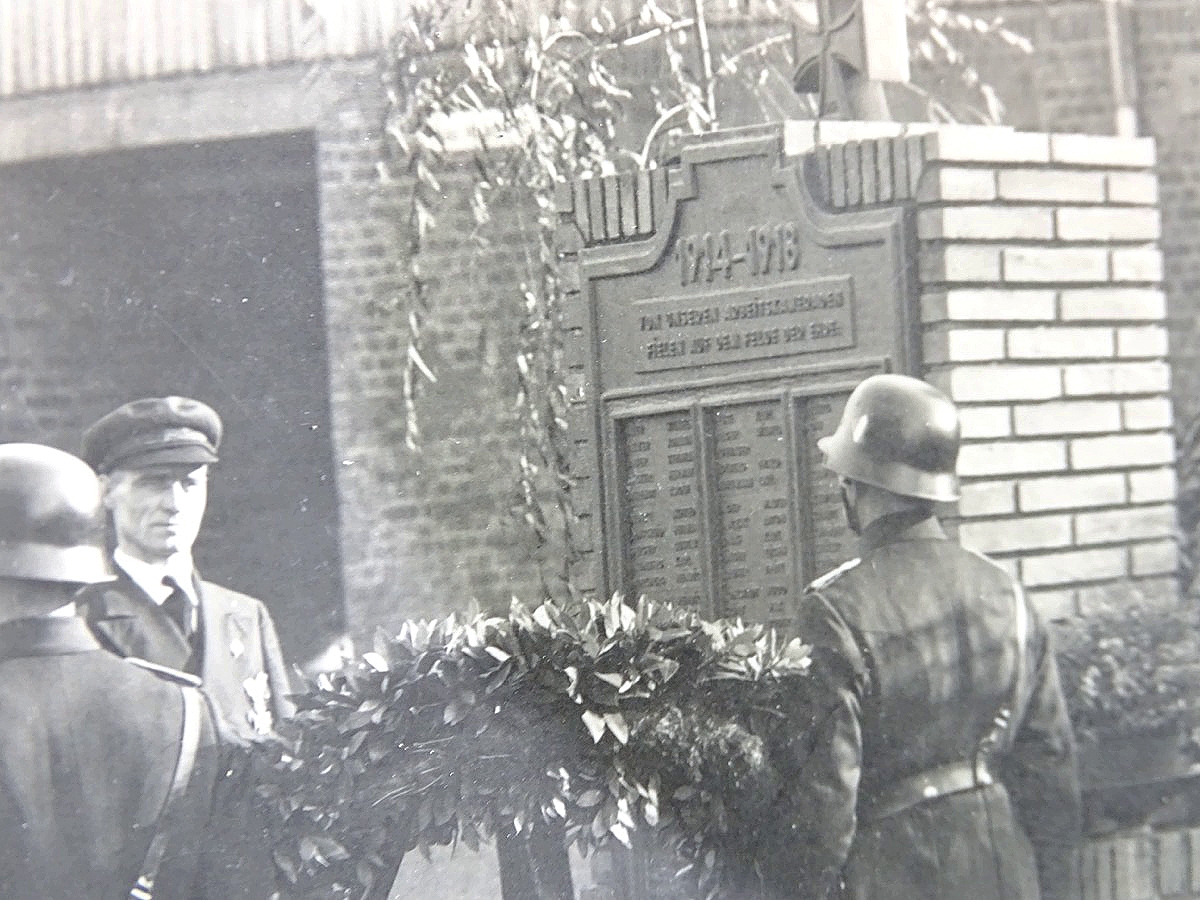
[48,45]
[62,44]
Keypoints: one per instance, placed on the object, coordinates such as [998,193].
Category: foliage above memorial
[538,95]
[603,719]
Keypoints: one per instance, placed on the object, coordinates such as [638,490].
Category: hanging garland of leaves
[598,720]
[543,104]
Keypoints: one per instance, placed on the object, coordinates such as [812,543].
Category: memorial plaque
[719,325]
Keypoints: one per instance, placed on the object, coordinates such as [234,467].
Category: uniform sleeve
[275,667]
[1041,775]
[814,817]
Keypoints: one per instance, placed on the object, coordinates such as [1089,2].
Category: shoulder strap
[1022,640]
[1021,676]
[833,574]
[168,672]
[189,744]
[1001,735]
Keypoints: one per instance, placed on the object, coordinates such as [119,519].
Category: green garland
[600,719]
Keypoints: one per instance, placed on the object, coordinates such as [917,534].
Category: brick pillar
[1044,318]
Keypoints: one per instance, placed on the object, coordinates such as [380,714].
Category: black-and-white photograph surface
[599,449]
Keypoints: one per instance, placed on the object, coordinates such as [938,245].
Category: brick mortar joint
[1048,203]
[937,164]
[1025,243]
[1049,327]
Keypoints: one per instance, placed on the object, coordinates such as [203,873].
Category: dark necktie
[179,607]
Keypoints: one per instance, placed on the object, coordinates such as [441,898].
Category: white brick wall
[1090,379]
[988,498]
[1071,492]
[1011,458]
[1067,417]
[1122,451]
[1106,223]
[1060,342]
[989,305]
[1048,265]
[1137,264]
[1045,320]
[952,183]
[986,422]
[1068,566]
[1113,303]
[986,223]
[1151,414]
[1004,382]
[1053,186]
[1096,150]
[1132,187]
[1025,533]
[1142,341]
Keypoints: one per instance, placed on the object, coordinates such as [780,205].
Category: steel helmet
[51,516]
[899,434]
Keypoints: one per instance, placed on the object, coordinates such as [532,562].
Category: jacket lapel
[131,624]
[211,615]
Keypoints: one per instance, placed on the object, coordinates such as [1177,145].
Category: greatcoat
[915,648]
[88,748]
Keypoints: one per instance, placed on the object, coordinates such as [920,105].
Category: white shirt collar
[149,576]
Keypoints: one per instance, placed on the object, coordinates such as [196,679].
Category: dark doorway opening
[188,269]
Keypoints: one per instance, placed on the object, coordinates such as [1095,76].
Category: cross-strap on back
[171,813]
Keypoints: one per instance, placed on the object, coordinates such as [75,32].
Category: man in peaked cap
[106,769]
[153,457]
[940,761]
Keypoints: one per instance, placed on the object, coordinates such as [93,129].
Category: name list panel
[755,574]
[663,519]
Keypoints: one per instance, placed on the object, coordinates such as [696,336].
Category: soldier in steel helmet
[940,761]
[106,769]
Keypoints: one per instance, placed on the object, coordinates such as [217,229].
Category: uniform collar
[902,526]
[45,636]
[149,576]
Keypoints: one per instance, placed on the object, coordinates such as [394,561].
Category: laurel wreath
[600,721]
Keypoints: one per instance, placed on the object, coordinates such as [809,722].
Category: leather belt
[951,778]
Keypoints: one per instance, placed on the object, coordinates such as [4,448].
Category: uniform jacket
[915,652]
[88,748]
[239,660]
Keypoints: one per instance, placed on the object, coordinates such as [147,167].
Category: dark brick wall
[424,531]
[1065,84]
[1168,57]
[418,533]
[191,270]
